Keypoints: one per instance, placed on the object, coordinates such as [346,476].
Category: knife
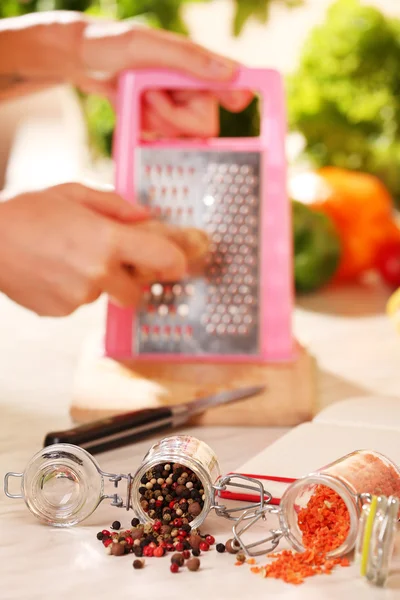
[128,428]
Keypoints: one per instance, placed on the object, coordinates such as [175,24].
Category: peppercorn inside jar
[175,483]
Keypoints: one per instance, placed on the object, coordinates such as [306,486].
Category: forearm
[39,50]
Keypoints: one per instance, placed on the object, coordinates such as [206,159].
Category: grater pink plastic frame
[276,284]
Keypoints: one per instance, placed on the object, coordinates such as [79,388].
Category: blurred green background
[344,97]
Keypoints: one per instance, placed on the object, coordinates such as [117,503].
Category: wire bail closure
[247,520]
[116,499]
[256,486]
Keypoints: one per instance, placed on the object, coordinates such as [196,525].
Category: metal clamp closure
[6,490]
[229,480]
[252,516]
[116,499]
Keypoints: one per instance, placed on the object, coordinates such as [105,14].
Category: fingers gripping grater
[240,309]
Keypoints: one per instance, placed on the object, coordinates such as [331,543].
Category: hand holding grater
[239,310]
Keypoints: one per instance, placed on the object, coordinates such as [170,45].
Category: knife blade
[127,428]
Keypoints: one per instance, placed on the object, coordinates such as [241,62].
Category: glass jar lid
[375,542]
[61,485]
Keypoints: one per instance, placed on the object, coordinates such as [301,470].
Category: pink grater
[235,189]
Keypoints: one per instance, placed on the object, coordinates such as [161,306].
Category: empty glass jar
[62,484]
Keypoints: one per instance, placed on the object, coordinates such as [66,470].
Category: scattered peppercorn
[210,540]
[138,564]
[193,564]
[232,547]
[116,525]
[178,559]
[135,522]
[100,535]
[186,554]
[204,547]
[174,568]
[117,549]
[220,548]
[196,552]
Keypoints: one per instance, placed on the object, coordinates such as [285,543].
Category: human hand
[47,48]
[63,246]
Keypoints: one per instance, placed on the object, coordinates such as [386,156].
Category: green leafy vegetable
[345,96]
[317,248]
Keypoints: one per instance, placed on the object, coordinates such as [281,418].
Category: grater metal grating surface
[219,192]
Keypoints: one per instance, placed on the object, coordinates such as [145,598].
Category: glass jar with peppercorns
[179,479]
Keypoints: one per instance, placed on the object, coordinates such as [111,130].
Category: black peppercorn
[137,551]
[135,522]
[100,535]
[186,527]
[196,552]
[142,490]
[220,548]
[144,480]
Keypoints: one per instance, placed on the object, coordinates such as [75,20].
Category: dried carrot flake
[324,524]
[251,561]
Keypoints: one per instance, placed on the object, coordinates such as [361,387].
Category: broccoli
[345,96]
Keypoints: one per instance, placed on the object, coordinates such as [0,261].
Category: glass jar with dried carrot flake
[320,512]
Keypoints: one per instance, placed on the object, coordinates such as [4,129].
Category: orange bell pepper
[362,209]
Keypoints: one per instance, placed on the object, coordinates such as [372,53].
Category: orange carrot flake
[324,524]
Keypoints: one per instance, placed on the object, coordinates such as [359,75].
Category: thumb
[112,47]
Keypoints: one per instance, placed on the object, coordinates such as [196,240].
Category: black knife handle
[113,432]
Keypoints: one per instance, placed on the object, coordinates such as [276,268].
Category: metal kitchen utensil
[234,189]
[127,428]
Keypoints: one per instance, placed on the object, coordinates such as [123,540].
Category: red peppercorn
[159,551]
[157,525]
[204,547]
[177,522]
[170,547]
[107,542]
[182,533]
[174,568]
[210,540]
[105,532]
[148,551]
[163,544]
[129,540]
[186,554]
[171,504]
[179,547]
[159,503]
[153,545]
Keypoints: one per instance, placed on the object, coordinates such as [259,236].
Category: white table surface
[358,353]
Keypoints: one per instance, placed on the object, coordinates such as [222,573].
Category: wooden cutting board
[104,387]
